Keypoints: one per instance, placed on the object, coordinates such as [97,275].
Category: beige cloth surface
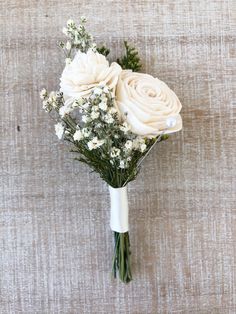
[55,242]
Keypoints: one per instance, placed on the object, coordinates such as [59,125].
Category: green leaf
[103,50]
[131,60]
[164,137]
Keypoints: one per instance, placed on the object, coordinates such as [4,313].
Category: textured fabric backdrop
[56,245]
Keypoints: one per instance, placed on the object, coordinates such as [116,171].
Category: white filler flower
[95,143]
[59,129]
[103,106]
[78,135]
[128,144]
[115,152]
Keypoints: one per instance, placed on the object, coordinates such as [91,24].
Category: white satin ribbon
[119,220]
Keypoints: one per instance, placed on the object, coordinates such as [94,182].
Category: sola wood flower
[112,117]
[148,103]
[86,71]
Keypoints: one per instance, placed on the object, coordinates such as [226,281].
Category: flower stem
[121,259]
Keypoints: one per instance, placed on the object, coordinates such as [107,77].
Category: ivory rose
[148,104]
[86,71]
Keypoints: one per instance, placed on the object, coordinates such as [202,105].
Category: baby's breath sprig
[52,100]
[101,139]
[79,39]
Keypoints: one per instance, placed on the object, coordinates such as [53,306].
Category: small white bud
[106,89]
[122,164]
[97,91]
[86,105]
[115,152]
[43,93]
[70,23]
[103,106]
[68,45]
[83,19]
[95,108]
[86,132]
[94,47]
[108,118]
[128,145]
[95,143]
[143,147]
[94,115]
[78,135]
[85,119]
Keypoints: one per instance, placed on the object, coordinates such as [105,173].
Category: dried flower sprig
[99,137]
[78,38]
[112,119]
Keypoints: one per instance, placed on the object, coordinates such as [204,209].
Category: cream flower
[87,71]
[147,104]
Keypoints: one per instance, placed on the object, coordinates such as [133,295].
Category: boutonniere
[112,115]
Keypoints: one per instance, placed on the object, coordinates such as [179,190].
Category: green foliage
[164,137]
[131,60]
[103,50]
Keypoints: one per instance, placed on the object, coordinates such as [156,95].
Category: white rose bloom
[88,71]
[148,103]
[59,129]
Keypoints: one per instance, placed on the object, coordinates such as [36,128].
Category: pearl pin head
[171,122]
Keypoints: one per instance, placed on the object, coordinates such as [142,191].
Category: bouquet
[112,115]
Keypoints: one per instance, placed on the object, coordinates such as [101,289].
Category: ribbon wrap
[119,220]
